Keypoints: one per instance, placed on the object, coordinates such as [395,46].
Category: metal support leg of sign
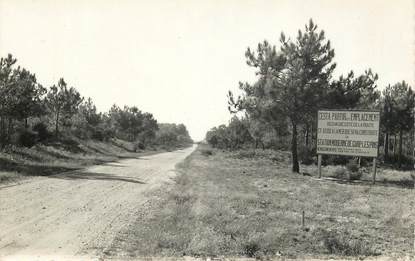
[374,171]
[319,165]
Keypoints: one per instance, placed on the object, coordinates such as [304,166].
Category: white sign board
[350,133]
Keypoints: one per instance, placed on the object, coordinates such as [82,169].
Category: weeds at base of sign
[344,160]
[344,174]
[354,172]
[351,171]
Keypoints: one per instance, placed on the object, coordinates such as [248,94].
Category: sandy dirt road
[77,214]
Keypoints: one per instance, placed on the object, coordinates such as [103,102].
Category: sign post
[319,165]
[374,171]
[348,133]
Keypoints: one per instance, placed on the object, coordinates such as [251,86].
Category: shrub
[340,172]
[251,248]
[355,175]
[206,152]
[350,171]
[27,138]
[334,160]
[108,134]
[345,173]
[98,135]
[352,166]
[42,131]
[140,146]
[344,244]
[79,133]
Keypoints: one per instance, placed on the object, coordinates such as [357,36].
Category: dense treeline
[170,134]
[279,110]
[31,113]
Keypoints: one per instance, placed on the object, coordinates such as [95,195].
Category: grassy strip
[17,163]
[223,205]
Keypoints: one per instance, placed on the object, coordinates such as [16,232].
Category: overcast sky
[178,59]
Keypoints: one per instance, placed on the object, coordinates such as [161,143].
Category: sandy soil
[78,213]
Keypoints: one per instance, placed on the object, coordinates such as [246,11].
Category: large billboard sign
[349,133]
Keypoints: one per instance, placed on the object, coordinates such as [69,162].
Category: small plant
[355,175]
[139,146]
[26,138]
[98,135]
[42,131]
[251,249]
[334,160]
[181,198]
[353,168]
[340,172]
[206,152]
[343,244]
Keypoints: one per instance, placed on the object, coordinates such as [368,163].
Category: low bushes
[352,165]
[341,243]
[27,138]
[340,172]
[350,172]
[251,249]
[276,156]
[206,152]
[334,160]
[42,131]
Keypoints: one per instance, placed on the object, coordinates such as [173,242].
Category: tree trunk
[400,147]
[306,135]
[296,166]
[2,131]
[394,145]
[386,146]
[313,136]
[9,130]
[57,125]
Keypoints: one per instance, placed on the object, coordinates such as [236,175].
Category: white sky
[177,59]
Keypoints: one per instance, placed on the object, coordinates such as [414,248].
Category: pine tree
[292,82]
[63,102]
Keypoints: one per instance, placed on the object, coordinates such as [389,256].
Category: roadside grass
[17,163]
[385,176]
[7,177]
[249,204]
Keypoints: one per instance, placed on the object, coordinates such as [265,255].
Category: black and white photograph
[207,130]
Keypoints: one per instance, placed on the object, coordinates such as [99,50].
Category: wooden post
[302,220]
[319,165]
[374,170]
